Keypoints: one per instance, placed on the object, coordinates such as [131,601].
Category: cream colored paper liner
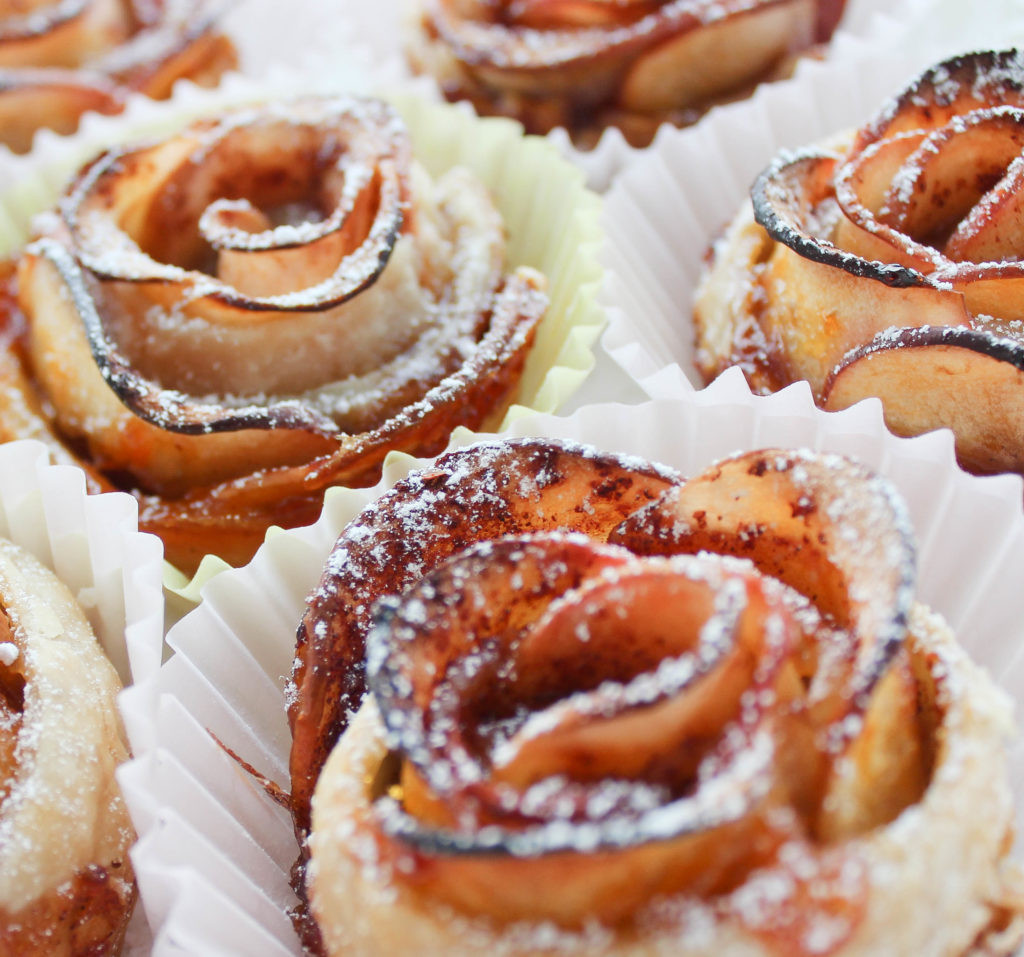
[665,211]
[214,853]
[383,26]
[552,220]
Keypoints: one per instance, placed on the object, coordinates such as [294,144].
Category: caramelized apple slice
[816,522]
[829,14]
[60,34]
[862,188]
[580,681]
[716,57]
[641,674]
[950,170]
[157,57]
[52,98]
[969,380]
[576,14]
[995,226]
[476,607]
[788,194]
[947,90]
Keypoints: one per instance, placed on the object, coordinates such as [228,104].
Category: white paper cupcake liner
[214,854]
[664,212]
[93,544]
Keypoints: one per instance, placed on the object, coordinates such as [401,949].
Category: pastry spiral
[890,266]
[728,729]
[60,58]
[66,883]
[264,305]
[587,64]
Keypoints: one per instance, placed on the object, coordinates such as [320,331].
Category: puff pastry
[66,883]
[724,726]
[888,264]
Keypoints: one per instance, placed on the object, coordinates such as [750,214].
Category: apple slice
[787,198]
[54,98]
[949,173]
[576,14]
[551,699]
[994,230]
[713,57]
[931,377]
[791,513]
[947,90]
[67,35]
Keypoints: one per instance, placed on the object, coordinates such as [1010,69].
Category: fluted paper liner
[665,211]
[214,853]
[552,220]
[93,544]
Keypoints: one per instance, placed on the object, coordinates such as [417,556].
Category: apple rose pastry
[475,494]
[66,884]
[588,64]
[60,58]
[890,266]
[264,305]
[728,729]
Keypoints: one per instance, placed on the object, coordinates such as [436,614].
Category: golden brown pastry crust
[648,748]
[886,263]
[586,64]
[66,883]
[262,306]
